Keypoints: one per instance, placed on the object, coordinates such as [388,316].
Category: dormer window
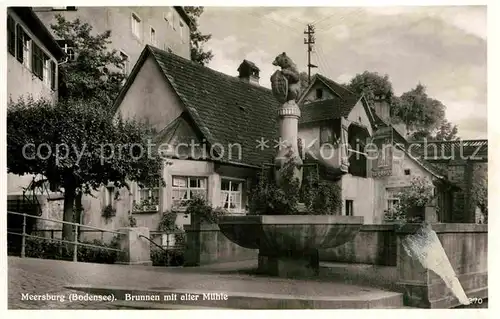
[319,94]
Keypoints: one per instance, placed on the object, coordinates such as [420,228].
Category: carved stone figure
[285,83]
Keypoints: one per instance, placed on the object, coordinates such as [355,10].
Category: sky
[443,48]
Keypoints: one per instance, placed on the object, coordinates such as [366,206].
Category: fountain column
[288,120]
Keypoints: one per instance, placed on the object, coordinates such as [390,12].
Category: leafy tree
[445,132]
[198,55]
[77,147]
[96,73]
[419,111]
[371,84]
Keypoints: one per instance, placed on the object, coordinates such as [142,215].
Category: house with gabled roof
[217,131]
[379,164]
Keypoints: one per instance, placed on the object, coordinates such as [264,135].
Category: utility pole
[309,41]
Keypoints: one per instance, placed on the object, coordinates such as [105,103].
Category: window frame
[126,66]
[135,20]
[331,136]
[152,36]
[384,156]
[319,96]
[187,189]
[168,16]
[229,192]
[109,196]
[351,202]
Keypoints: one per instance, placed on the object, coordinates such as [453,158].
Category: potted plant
[288,238]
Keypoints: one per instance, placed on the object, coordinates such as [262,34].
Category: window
[46,69]
[126,63]
[152,195]
[384,155]
[407,172]
[11,35]
[231,195]
[109,196]
[23,47]
[319,93]
[349,207]
[136,25]
[168,16]
[186,188]
[38,63]
[391,203]
[326,135]
[152,36]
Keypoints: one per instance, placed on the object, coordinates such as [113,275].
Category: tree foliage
[96,73]
[423,115]
[198,39]
[77,147]
[371,85]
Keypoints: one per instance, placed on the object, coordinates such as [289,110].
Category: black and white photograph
[246,157]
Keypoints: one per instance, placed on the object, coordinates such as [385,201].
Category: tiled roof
[225,109]
[327,109]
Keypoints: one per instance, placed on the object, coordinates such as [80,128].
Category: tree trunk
[78,211]
[69,201]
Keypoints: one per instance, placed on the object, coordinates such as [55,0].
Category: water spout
[427,249]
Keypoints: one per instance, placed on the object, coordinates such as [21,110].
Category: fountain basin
[288,244]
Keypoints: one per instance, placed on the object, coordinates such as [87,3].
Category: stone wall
[374,244]
[205,245]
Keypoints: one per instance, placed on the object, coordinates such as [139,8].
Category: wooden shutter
[11,35]
[52,75]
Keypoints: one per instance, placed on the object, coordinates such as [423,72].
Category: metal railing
[75,242]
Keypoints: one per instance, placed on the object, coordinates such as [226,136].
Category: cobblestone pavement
[39,277]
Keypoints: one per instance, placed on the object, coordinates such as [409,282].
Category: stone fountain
[288,244]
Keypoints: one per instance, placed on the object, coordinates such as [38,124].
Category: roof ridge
[232,78]
[327,78]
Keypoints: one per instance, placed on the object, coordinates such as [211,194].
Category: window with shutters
[23,48]
[38,61]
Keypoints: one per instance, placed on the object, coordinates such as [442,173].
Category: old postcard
[190,157]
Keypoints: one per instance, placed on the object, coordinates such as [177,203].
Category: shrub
[269,198]
[202,212]
[52,249]
[419,194]
[160,257]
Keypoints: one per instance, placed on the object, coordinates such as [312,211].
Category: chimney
[382,108]
[249,72]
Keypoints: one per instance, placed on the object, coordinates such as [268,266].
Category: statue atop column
[285,84]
